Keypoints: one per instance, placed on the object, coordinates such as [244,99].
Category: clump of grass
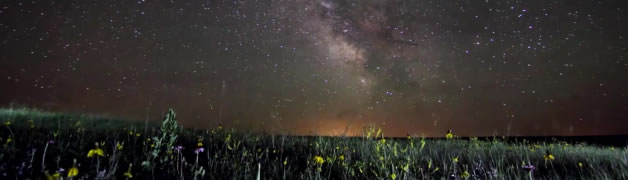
[32,147]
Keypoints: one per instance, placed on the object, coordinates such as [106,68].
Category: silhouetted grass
[226,154]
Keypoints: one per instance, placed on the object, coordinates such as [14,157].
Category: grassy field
[41,145]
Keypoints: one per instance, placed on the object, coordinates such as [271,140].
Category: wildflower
[96,151]
[137,134]
[529,167]
[548,156]
[319,160]
[199,144]
[341,157]
[455,159]
[199,150]
[73,171]
[580,164]
[128,174]
[465,175]
[178,148]
[7,123]
[120,146]
[449,135]
[56,175]
[285,162]
[393,176]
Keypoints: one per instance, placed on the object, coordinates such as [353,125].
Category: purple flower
[51,142]
[61,170]
[199,150]
[529,167]
[178,148]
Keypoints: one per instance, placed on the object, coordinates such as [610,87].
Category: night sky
[479,67]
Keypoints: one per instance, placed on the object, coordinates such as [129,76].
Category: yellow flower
[449,135]
[96,151]
[137,134]
[285,162]
[548,156]
[56,175]
[393,176]
[342,157]
[455,159]
[120,146]
[465,175]
[128,174]
[580,164]
[7,123]
[319,160]
[73,172]
[199,144]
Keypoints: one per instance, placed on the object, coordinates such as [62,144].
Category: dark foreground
[39,145]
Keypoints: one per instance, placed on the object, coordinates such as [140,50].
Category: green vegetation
[42,145]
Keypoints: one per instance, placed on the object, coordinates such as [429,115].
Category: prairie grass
[43,145]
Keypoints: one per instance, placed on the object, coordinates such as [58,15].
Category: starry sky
[325,67]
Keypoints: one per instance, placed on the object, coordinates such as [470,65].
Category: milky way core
[324,67]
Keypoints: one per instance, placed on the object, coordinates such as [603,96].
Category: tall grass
[48,145]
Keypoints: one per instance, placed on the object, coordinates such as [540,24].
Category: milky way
[326,67]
